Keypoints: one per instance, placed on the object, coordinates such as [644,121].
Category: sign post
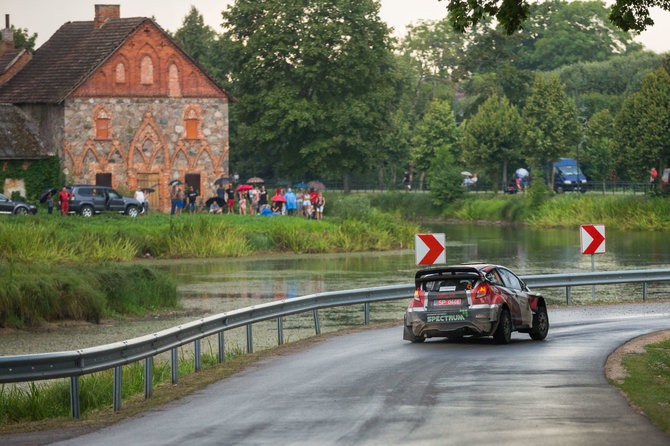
[429,249]
[592,240]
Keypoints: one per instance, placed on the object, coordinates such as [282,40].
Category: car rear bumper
[477,320]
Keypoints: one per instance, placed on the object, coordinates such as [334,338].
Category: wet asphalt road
[373,388]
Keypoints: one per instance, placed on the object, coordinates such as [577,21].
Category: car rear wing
[444,273]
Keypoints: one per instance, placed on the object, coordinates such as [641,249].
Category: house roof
[70,56]
[8,58]
[19,137]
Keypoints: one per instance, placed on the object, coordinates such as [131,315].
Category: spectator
[221,195]
[139,196]
[64,201]
[242,197]
[181,200]
[214,208]
[318,207]
[50,203]
[173,199]
[192,200]
[653,175]
[262,197]
[291,204]
[230,203]
[406,181]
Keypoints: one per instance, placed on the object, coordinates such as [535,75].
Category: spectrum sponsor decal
[456,317]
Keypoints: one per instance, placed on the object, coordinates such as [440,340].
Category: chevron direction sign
[429,249]
[592,239]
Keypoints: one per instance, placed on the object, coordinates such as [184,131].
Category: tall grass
[119,238]
[40,401]
[31,294]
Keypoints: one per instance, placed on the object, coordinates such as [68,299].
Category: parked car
[473,300]
[88,200]
[568,176]
[665,178]
[9,206]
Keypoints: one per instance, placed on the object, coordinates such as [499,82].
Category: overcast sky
[45,16]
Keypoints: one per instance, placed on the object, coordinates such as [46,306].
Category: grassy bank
[648,383]
[644,213]
[49,238]
[31,294]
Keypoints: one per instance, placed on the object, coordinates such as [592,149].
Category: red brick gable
[148,64]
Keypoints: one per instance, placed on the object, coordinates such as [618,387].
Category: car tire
[409,336]
[132,211]
[21,211]
[503,332]
[86,211]
[540,326]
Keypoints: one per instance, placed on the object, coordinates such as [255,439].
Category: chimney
[104,12]
[7,42]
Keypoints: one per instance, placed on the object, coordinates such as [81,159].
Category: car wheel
[540,326]
[132,211]
[21,211]
[86,211]
[503,332]
[409,335]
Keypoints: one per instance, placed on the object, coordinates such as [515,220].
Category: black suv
[9,206]
[88,200]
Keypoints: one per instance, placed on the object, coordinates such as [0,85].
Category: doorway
[192,180]
[150,180]
[103,179]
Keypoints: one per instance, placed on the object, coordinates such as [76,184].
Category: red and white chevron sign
[592,239]
[429,249]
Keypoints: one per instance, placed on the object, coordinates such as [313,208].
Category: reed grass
[32,294]
[49,238]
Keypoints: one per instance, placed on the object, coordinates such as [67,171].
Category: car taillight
[481,294]
[418,301]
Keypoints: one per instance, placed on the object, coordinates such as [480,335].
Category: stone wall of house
[49,121]
[138,138]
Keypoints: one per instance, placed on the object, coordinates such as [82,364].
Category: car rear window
[443,285]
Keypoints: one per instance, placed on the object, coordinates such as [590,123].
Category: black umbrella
[224,180]
[46,193]
[148,189]
[209,201]
[175,183]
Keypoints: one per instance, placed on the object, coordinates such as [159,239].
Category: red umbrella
[244,187]
[278,198]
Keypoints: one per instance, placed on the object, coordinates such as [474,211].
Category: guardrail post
[74,397]
[250,339]
[148,377]
[118,374]
[567,295]
[317,325]
[280,331]
[367,312]
[644,290]
[196,353]
[222,355]
[174,365]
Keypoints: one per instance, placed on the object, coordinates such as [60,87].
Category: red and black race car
[474,300]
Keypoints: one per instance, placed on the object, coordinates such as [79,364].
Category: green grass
[31,294]
[648,383]
[49,238]
[41,401]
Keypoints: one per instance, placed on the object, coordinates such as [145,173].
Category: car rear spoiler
[451,272]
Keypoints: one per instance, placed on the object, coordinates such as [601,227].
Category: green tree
[596,160]
[512,14]
[23,39]
[550,121]
[437,131]
[444,176]
[315,81]
[196,38]
[642,128]
[491,139]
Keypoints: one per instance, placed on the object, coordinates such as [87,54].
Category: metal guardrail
[75,363]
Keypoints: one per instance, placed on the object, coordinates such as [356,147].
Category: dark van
[568,176]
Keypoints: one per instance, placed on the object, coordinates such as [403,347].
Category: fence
[73,364]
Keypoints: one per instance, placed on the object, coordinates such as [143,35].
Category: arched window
[192,124]
[174,89]
[146,71]
[102,120]
[120,73]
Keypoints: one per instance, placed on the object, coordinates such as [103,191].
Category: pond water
[218,285]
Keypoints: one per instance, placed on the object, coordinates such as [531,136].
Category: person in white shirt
[139,196]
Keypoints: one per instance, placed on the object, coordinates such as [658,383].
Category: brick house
[125,106]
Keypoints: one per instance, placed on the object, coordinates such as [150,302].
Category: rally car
[474,300]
